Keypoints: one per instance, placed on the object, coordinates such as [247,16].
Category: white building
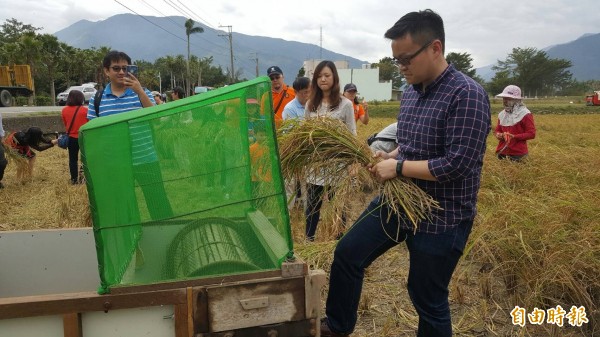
[365,79]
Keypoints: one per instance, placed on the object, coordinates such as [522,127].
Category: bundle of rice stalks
[324,148]
[13,156]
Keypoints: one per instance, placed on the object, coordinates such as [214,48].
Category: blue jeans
[433,258]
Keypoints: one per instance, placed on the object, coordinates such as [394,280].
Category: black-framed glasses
[117,69]
[405,60]
[275,77]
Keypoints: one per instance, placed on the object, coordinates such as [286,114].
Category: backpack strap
[97,99]
[285,89]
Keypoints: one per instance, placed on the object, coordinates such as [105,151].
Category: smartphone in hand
[133,70]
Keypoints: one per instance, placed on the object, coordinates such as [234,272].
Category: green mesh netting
[188,189]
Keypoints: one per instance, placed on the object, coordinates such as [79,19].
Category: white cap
[511,91]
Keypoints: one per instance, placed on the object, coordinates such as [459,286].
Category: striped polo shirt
[111,104]
[142,141]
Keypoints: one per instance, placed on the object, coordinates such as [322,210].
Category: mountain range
[149,37]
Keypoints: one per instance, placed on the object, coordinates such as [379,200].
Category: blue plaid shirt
[447,125]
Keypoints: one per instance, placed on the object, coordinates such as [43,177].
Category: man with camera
[124,92]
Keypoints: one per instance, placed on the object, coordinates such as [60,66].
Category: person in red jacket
[515,126]
[74,115]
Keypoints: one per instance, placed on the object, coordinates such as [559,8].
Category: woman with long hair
[74,115]
[325,101]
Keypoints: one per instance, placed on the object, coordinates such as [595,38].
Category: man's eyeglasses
[117,69]
[275,77]
[405,60]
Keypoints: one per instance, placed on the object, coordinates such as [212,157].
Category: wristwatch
[399,167]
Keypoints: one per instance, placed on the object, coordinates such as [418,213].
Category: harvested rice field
[535,243]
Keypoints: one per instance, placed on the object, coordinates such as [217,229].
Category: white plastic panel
[47,326]
[43,262]
[138,322]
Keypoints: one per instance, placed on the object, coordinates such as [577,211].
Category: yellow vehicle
[15,81]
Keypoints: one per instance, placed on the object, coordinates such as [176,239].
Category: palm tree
[31,50]
[189,30]
[53,52]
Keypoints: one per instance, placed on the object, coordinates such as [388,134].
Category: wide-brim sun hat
[511,91]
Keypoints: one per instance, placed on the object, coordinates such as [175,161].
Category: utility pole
[321,43]
[199,75]
[255,59]
[159,83]
[229,35]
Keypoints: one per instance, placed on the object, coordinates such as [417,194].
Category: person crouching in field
[22,142]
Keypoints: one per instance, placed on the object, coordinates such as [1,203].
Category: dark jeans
[433,258]
[314,201]
[3,161]
[73,149]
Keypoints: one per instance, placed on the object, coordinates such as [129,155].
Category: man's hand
[381,154]
[132,82]
[384,170]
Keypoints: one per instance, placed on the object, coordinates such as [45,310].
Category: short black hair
[179,91]
[301,83]
[422,26]
[115,56]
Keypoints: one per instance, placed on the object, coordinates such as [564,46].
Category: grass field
[535,244]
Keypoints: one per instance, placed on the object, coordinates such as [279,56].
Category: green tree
[12,30]
[463,63]
[301,72]
[535,72]
[31,52]
[55,65]
[94,59]
[9,53]
[148,75]
[53,53]
[500,80]
[189,30]
[388,71]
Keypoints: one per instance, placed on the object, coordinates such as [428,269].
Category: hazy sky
[488,30]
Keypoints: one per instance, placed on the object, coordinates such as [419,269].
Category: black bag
[63,140]
[371,139]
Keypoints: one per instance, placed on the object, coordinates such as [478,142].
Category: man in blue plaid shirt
[443,124]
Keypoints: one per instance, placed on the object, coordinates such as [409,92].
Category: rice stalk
[324,147]
[13,156]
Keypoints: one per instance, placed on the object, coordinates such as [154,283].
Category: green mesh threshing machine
[191,233]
